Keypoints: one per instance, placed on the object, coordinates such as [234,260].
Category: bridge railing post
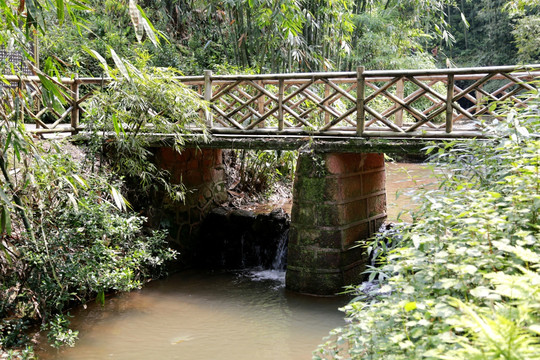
[261,104]
[360,96]
[400,90]
[208,97]
[75,113]
[280,104]
[326,103]
[449,100]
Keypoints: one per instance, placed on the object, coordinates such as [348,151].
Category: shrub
[77,245]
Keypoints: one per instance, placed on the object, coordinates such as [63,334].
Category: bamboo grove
[277,36]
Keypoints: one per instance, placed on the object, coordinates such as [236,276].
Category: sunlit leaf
[136,19]
[119,64]
[60,11]
[100,58]
[410,306]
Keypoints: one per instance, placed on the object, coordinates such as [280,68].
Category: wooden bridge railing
[435,103]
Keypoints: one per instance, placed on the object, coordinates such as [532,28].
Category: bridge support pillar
[203,174]
[338,200]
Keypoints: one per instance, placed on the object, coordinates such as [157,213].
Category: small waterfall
[276,273]
[280,260]
[238,239]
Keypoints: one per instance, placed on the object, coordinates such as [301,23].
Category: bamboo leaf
[71,183]
[116,125]
[535,328]
[100,58]
[81,181]
[57,97]
[136,19]
[4,248]
[119,64]
[150,32]
[73,202]
[36,14]
[118,201]
[8,141]
[121,202]
[4,198]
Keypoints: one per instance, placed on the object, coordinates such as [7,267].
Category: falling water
[276,273]
[280,260]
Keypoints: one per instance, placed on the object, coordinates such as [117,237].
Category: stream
[221,315]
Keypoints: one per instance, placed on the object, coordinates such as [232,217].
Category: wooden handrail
[403,103]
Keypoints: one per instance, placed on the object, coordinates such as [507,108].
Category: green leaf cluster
[258,172]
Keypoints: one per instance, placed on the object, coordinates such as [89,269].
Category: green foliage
[462,283]
[77,242]
[260,170]
[143,101]
[59,334]
[121,25]
[386,41]
[527,35]
[65,233]
[499,32]
[270,36]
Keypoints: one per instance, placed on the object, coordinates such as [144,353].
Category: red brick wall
[203,174]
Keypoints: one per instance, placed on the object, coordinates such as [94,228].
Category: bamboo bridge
[339,195]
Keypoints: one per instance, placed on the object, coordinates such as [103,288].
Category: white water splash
[275,276]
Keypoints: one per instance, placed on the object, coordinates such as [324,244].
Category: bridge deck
[397,105]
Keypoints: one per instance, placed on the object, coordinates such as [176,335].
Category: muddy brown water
[402,181]
[220,315]
[194,315]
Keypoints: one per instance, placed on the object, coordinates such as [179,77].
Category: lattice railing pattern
[414,103]
[438,103]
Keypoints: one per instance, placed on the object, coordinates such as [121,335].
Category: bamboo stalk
[74,105]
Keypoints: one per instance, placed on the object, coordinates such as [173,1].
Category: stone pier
[339,199]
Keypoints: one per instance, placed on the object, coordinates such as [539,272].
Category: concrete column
[338,200]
